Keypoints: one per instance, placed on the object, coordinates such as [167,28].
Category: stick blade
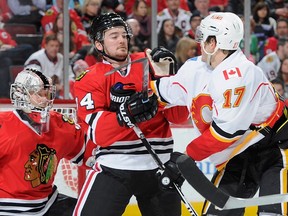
[234,203]
[200,183]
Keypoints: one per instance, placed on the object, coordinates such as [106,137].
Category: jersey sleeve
[177,114]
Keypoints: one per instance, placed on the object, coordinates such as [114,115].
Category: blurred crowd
[177,21]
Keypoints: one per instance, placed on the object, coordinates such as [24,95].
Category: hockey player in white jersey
[242,121]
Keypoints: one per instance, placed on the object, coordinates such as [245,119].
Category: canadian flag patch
[232,73]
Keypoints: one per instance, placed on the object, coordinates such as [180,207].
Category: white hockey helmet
[32,91]
[225,26]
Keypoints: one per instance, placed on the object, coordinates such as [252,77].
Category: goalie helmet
[225,26]
[32,91]
[107,21]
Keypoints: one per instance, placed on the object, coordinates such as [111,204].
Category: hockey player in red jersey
[33,139]
[109,105]
[241,119]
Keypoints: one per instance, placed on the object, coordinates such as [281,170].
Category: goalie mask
[33,92]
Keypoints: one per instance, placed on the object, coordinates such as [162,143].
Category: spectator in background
[265,25]
[235,6]
[5,12]
[135,43]
[114,6]
[218,5]
[50,61]
[90,9]
[202,6]
[254,51]
[140,13]
[195,20]
[278,8]
[10,53]
[179,16]
[278,85]
[167,36]
[10,49]
[282,28]
[79,67]
[270,64]
[283,75]
[93,56]
[77,41]
[161,5]
[186,48]
[281,32]
[28,12]
[51,14]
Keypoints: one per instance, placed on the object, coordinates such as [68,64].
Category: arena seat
[17,28]
[14,70]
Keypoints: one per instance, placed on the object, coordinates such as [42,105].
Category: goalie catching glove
[136,109]
[171,173]
[162,62]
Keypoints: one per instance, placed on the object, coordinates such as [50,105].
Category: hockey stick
[139,133]
[125,65]
[219,198]
[161,166]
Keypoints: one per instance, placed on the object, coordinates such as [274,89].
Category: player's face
[116,42]
[206,48]
[42,98]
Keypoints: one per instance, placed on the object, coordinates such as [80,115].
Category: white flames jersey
[181,21]
[270,64]
[223,104]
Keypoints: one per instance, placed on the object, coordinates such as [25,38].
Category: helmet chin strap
[209,55]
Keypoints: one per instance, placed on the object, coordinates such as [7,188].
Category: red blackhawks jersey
[224,103]
[29,161]
[119,147]
[51,14]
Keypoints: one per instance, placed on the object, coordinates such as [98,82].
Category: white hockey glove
[162,62]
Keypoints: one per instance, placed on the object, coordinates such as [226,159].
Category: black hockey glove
[171,173]
[119,93]
[135,110]
[162,62]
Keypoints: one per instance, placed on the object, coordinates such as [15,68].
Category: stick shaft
[157,160]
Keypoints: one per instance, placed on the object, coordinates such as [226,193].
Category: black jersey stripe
[225,134]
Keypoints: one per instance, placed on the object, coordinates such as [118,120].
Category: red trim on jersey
[181,86]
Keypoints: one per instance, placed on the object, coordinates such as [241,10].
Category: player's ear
[98,46]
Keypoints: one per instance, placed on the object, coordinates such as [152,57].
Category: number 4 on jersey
[87,102]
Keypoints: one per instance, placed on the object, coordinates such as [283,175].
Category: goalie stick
[219,198]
